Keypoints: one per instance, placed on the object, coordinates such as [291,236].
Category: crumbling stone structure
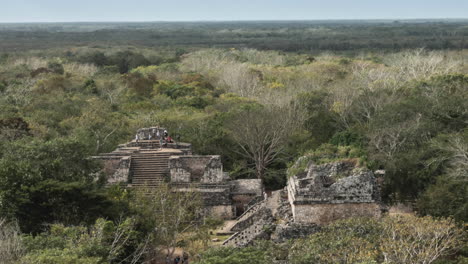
[144,162]
[243,192]
[196,169]
[328,192]
[316,196]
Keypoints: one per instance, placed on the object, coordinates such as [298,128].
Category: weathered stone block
[326,213]
[202,169]
[333,191]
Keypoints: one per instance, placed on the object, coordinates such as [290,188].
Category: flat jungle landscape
[270,97]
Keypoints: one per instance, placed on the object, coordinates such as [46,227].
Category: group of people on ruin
[155,134]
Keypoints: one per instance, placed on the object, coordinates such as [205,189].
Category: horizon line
[227,20]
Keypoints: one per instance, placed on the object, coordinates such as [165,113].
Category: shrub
[402,239]
[348,241]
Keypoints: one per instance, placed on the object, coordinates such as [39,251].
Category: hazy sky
[188,10]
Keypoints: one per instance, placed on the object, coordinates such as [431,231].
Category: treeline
[300,36]
[403,112]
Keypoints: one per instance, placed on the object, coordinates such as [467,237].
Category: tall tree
[261,132]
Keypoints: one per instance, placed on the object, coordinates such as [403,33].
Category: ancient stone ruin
[151,159]
[318,195]
[332,191]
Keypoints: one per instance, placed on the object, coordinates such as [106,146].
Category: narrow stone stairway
[251,224]
[149,168]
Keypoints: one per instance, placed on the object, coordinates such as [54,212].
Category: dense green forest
[393,94]
[291,36]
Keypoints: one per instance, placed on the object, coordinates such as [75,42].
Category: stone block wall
[144,133]
[332,191]
[247,187]
[326,213]
[216,198]
[196,169]
[116,168]
[220,211]
[244,191]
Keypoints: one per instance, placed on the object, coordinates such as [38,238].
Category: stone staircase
[250,225]
[246,236]
[149,168]
[245,219]
[254,222]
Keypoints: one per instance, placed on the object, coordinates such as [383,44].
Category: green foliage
[138,84]
[347,138]
[51,182]
[165,215]
[447,197]
[401,134]
[403,112]
[261,252]
[320,122]
[104,242]
[70,203]
[2,87]
[127,60]
[95,57]
[225,255]
[350,241]
[56,67]
[13,128]
[401,239]
[90,86]
[59,256]
[328,153]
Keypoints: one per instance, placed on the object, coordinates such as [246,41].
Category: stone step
[150,160]
[165,165]
[148,175]
[155,158]
[147,184]
[146,180]
[160,160]
[165,162]
[148,172]
[148,156]
[151,165]
[149,181]
[152,153]
[162,167]
[149,169]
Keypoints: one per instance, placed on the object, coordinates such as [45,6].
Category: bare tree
[419,63]
[11,247]
[111,90]
[388,140]
[409,239]
[456,149]
[261,133]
